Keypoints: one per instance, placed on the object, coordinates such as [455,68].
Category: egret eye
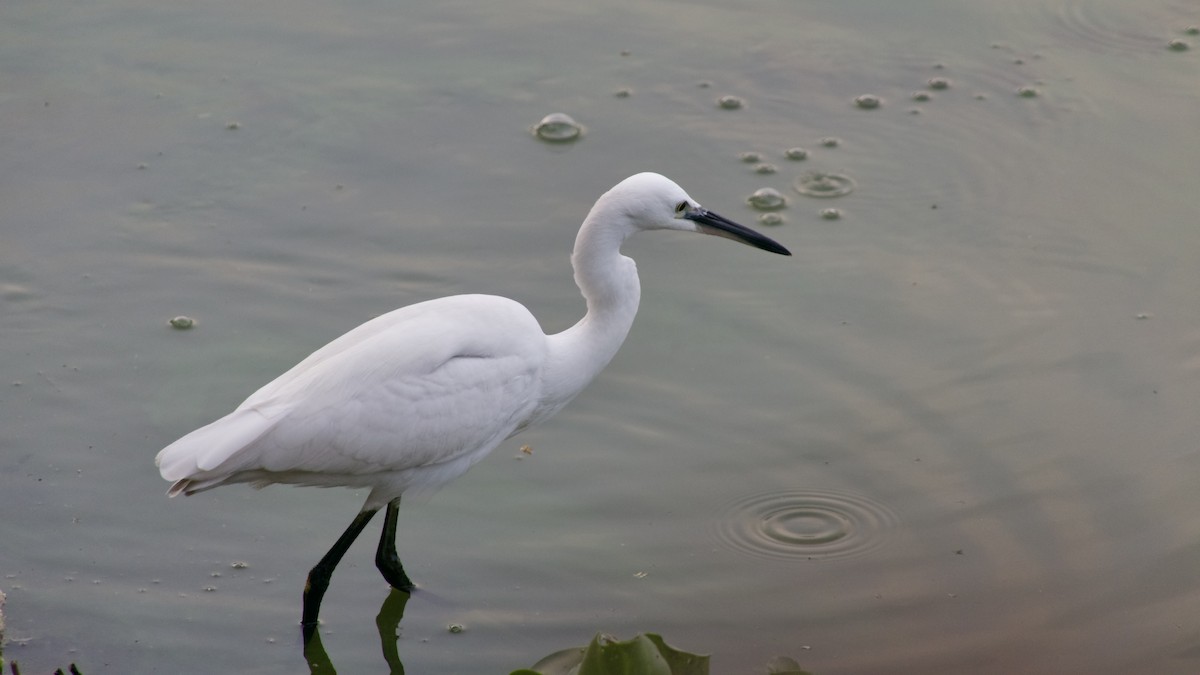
[681,208]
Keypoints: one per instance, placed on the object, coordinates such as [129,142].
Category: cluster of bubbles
[935,85]
[561,128]
[1181,45]
[818,184]
[822,184]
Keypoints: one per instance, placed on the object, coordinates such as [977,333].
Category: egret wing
[423,385]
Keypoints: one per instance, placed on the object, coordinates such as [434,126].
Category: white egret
[411,399]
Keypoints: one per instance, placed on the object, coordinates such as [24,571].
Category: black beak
[720,226]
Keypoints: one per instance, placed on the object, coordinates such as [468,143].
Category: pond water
[956,432]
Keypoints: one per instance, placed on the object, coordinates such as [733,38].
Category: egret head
[654,202]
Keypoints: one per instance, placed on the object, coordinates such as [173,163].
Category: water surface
[984,375]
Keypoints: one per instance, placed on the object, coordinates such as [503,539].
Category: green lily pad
[645,654]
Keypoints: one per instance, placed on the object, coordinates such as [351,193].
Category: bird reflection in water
[388,624]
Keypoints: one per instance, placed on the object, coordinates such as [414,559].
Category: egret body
[411,399]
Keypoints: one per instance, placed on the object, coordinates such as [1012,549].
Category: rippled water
[804,525]
[823,185]
[955,433]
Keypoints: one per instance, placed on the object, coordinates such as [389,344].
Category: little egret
[411,399]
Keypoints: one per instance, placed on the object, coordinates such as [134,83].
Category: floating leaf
[646,654]
[784,665]
[638,656]
[558,663]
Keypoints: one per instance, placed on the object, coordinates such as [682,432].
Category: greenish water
[955,433]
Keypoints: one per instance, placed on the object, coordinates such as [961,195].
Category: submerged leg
[386,558]
[318,576]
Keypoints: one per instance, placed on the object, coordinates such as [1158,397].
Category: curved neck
[609,283]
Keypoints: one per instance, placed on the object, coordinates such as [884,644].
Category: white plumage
[411,399]
[407,400]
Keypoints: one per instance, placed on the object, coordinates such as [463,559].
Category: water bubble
[938,83]
[1192,30]
[1178,45]
[750,157]
[771,219]
[804,525]
[767,199]
[730,102]
[455,628]
[765,168]
[233,126]
[558,128]
[867,101]
[823,184]
[1027,92]
[830,141]
[623,93]
[795,154]
[921,96]
[182,322]
[831,214]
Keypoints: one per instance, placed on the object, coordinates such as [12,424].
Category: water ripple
[1104,27]
[804,525]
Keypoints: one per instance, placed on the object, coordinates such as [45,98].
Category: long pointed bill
[720,226]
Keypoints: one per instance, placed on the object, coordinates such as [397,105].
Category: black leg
[318,576]
[386,558]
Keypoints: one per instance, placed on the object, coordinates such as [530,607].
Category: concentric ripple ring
[823,184]
[804,525]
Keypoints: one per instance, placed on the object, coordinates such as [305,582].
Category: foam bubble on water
[730,103]
[767,199]
[867,101]
[558,128]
